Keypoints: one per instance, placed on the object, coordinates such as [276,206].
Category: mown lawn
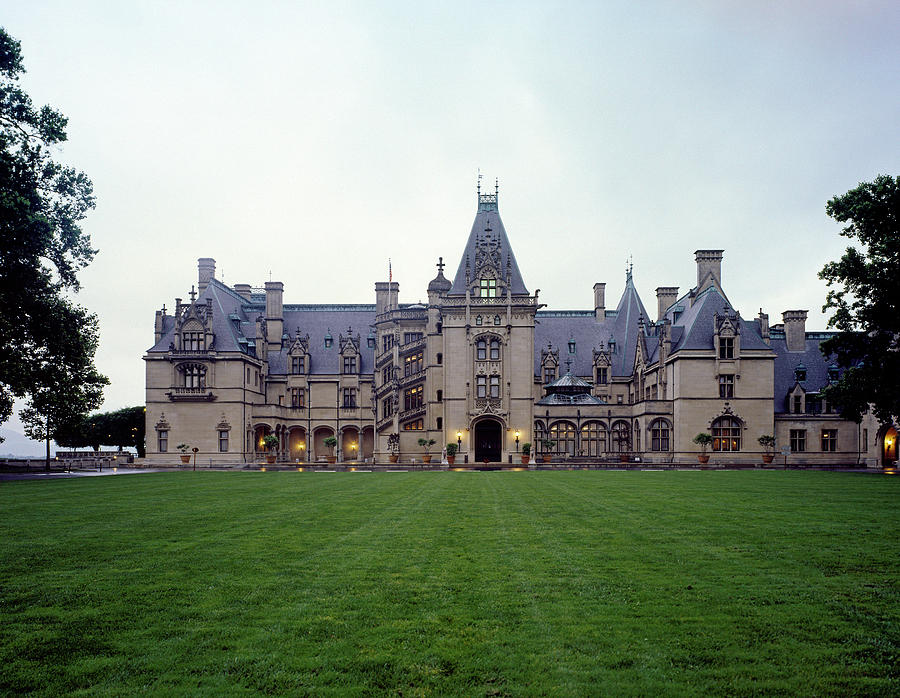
[554,583]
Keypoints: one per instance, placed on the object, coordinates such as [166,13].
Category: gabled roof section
[698,324]
[488,249]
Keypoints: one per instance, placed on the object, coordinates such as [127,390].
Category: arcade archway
[488,441]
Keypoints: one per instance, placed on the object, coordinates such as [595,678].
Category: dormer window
[298,364]
[571,345]
[193,341]
[800,373]
[329,340]
[726,347]
[349,364]
[488,288]
[602,375]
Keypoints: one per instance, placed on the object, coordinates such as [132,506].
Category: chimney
[795,329]
[385,295]
[206,268]
[709,268]
[243,290]
[764,325]
[600,302]
[665,296]
[158,326]
[274,313]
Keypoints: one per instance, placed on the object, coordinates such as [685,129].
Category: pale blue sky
[315,140]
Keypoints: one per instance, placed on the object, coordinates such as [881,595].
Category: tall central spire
[488,256]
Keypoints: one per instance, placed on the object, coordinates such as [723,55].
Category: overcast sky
[312,141]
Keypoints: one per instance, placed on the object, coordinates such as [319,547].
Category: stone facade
[481,365]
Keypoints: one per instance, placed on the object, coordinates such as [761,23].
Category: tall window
[412,398]
[193,376]
[387,407]
[798,440]
[539,435]
[726,347]
[193,341]
[726,387]
[387,342]
[593,439]
[659,435]
[563,433]
[414,425]
[439,358]
[602,375]
[495,350]
[349,397]
[298,364]
[386,374]
[480,386]
[411,337]
[621,437]
[495,385]
[829,440]
[298,397]
[413,363]
[481,350]
[349,364]
[488,288]
[223,441]
[162,440]
[726,433]
[549,374]
[440,396]
[798,404]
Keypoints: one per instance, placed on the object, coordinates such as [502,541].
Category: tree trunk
[47,453]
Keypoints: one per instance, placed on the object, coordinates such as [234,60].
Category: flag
[390,273]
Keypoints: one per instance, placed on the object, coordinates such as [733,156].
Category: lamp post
[459,440]
[517,440]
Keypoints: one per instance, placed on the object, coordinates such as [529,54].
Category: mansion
[483,366]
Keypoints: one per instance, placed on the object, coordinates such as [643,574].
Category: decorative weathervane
[440,265]
[192,294]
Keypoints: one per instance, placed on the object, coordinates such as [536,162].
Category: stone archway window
[593,439]
[621,437]
[488,288]
[726,433]
[193,376]
[495,350]
[659,435]
[563,433]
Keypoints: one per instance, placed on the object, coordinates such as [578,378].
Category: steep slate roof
[234,320]
[488,216]
[621,325]
[697,322]
[811,357]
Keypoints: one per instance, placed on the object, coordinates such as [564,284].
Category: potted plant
[526,452]
[330,442]
[451,453]
[703,440]
[767,441]
[393,444]
[185,456]
[426,444]
[548,444]
[270,441]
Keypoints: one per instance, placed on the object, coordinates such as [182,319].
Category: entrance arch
[889,447]
[488,440]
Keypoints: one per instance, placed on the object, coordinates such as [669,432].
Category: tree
[864,292]
[42,247]
[66,384]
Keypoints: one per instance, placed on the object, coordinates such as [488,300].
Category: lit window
[726,433]
[726,387]
[726,347]
[829,440]
[798,440]
[415,425]
[413,363]
[488,288]
[412,398]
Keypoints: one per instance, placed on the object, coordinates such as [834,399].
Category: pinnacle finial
[440,265]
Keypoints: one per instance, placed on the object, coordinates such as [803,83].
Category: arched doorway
[297,444]
[889,447]
[350,444]
[488,443]
[368,443]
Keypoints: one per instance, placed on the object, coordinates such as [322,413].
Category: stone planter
[185,459]
[451,459]
[426,459]
[331,459]
[546,458]
[768,458]
[526,460]
[623,457]
[703,458]
[394,457]
[271,458]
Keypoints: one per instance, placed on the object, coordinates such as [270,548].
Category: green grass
[556,583]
